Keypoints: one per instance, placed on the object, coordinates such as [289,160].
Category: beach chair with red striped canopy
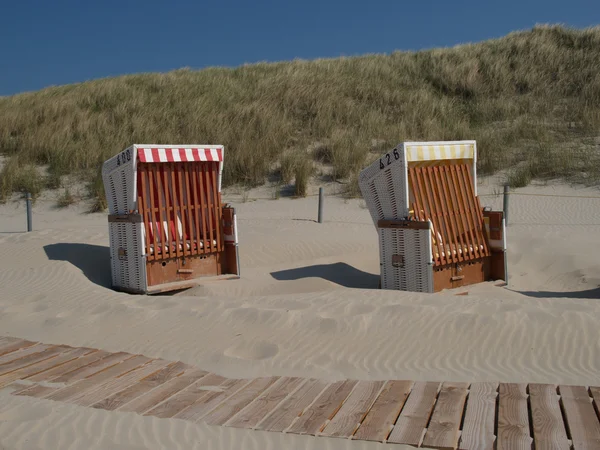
[168,226]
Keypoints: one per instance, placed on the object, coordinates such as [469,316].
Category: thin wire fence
[531,194]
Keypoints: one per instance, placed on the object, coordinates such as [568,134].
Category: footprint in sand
[252,351]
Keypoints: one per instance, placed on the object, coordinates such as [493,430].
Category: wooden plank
[120,382]
[478,427]
[315,417]
[172,202]
[90,383]
[192,187]
[146,384]
[178,194]
[91,368]
[190,210]
[28,360]
[22,352]
[185,397]
[157,222]
[513,417]
[10,346]
[443,431]
[582,422]
[548,426]
[353,411]
[293,406]
[210,400]
[69,367]
[250,416]
[209,205]
[383,414]
[595,393]
[413,419]
[235,403]
[199,188]
[217,206]
[37,391]
[42,366]
[149,400]
[162,212]
[144,209]
[169,210]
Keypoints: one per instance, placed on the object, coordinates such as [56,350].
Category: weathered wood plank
[70,366]
[145,384]
[118,383]
[234,404]
[548,426]
[345,422]
[31,359]
[292,407]
[92,368]
[595,394]
[42,366]
[36,390]
[414,416]
[513,417]
[314,418]
[152,398]
[581,418]
[443,431]
[22,352]
[265,403]
[186,397]
[77,389]
[383,414]
[11,345]
[478,427]
[211,399]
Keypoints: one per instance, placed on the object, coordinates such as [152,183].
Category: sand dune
[307,305]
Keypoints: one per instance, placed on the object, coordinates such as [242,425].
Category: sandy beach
[307,305]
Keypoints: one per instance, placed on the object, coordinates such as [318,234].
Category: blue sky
[54,42]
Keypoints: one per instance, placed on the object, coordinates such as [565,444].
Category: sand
[307,305]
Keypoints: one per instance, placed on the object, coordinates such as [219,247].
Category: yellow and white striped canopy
[431,153]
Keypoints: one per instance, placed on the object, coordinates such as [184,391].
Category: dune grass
[531,100]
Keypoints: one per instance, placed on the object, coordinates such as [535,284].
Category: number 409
[388,158]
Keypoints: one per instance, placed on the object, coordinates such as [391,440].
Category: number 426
[388,158]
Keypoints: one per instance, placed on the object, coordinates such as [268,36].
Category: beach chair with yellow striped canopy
[433,232]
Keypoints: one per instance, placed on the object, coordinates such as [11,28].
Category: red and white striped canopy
[150,155]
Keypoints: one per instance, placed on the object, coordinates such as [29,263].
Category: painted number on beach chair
[388,158]
[123,157]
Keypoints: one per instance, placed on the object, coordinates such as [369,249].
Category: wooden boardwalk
[440,415]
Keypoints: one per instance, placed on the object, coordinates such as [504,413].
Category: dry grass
[518,96]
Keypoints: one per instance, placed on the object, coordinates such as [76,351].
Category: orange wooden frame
[181,209]
[445,195]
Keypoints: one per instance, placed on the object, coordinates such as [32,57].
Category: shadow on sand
[590,293]
[92,260]
[339,273]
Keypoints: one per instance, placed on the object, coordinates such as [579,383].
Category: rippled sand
[307,305]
